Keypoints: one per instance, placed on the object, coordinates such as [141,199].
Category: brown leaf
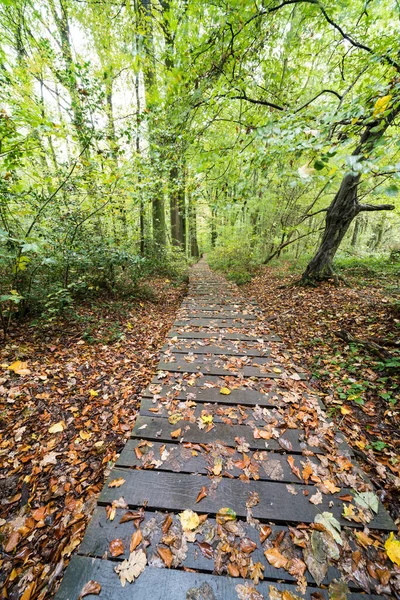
[135,540]
[265,532]
[116,483]
[91,587]
[275,558]
[256,572]
[247,545]
[116,547]
[175,434]
[307,472]
[202,494]
[166,555]
[285,444]
[166,524]
[233,570]
[295,469]
[206,549]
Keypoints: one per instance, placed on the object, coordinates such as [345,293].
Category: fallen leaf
[392,547]
[225,391]
[189,520]
[57,427]
[166,555]
[175,434]
[316,498]
[19,368]
[130,569]
[135,540]
[275,558]
[91,587]
[116,547]
[116,483]
[202,494]
[224,515]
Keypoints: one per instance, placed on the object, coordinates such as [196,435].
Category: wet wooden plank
[218,335]
[177,491]
[221,413]
[218,366]
[193,313]
[227,349]
[157,428]
[244,396]
[102,531]
[215,323]
[263,464]
[164,584]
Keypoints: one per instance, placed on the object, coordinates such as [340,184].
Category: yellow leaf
[276,370]
[225,391]
[354,120]
[207,419]
[93,393]
[57,427]
[189,520]
[392,547]
[85,435]
[20,368]
[345,410]
[381,105]
[175,418]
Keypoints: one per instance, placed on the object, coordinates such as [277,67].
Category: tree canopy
[134,131]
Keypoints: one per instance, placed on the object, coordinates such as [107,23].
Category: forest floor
[359,383]
[69,394]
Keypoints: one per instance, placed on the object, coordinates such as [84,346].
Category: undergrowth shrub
[235,259]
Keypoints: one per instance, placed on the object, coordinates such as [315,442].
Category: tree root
[372,346]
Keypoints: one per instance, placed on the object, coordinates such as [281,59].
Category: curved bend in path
[228,422]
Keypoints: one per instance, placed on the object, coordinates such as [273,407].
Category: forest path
[231,460]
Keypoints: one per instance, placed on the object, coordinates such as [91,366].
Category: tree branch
[317,96]
[255,101]
[373,207]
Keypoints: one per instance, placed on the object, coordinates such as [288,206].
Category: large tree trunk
[339,216]
[345,205]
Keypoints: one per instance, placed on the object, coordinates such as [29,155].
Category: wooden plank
[177,491]
[245,397]
[221,413]
[210,369]
[193,313]
[222,348]
[156,428]
[218,366]
[164,584]
[267,466]
[218,335]
[102,531]
[215,323]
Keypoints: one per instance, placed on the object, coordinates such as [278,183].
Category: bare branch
[373,207]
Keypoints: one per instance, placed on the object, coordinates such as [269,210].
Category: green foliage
[235,259]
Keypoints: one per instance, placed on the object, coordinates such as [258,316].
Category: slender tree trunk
[194,247]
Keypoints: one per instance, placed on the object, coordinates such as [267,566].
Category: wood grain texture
[178,492]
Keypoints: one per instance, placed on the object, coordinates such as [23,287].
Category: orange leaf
[135,540]
[166,555]
[116,548]
[175,434]
[202,494]
[275,558]
[116,483]
[307,472]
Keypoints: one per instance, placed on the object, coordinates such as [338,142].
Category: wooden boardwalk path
[230,462]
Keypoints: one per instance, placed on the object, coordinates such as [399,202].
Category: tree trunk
[345,205]
[194,247]
[174,199]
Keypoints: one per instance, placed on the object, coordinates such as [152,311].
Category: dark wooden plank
[267,466]
[164,584]
[177,491]
[221,413]
[218,335]
[193,313]
[101,532]
[211,369]
[193,347]
[245,397]
[215,323]
[157,428]
[211,365]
